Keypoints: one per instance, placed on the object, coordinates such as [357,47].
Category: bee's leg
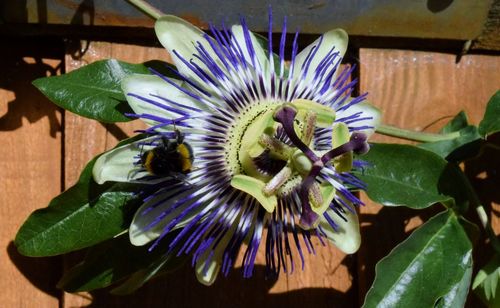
[165,141]
[179,136]
[187,182]
[181,178]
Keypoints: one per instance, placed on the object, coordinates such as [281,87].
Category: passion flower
[271,145]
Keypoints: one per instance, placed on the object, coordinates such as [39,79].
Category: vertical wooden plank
[419,91]
[327,279]
[86,138]
[30,170]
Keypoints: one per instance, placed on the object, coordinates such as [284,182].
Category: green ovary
[252,136]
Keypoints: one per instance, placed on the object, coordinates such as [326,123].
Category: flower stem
[481,213]
[483,217]
[413,135]
[147,8]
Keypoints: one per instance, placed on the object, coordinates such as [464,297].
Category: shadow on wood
[21,64]
[181,289]
[43,273]
[388,227]
[484,173]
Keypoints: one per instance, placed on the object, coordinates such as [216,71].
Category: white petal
[118,165]
[260,54]
[347,238]
[337,38]
[145,215]
[146,86]
[177,34]
[369,111]
[207,277]
[214,264]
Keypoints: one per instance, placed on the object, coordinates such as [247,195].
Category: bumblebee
[169,157]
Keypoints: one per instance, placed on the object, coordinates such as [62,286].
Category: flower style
[272,145]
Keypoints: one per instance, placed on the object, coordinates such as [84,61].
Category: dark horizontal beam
[441,19]
[11,34]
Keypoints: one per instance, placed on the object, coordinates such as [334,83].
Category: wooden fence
[43,149]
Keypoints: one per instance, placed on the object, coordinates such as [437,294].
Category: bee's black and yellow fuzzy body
[170,157]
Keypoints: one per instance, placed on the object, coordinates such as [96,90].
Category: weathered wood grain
[419,91]
[30,170]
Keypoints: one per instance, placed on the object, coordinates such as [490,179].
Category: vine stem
[492,146]
[413,135]
[147,8]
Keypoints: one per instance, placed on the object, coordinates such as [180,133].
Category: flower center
[267,163]
[242,142]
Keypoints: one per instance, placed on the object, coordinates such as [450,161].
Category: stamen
[315,196]
[277,148]
[277,181]
[308,128]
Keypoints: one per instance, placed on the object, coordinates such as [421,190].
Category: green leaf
[80,217]
[457,123]
[406,175]
[457,295]
[84,215]
[94,91]
[465,146]
[162,265]
[486,283]
[115,260]
[431,267]
[491,120]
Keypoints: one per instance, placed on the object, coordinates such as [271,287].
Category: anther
[277,181]
[315,196]
[308,128]
[277,148]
